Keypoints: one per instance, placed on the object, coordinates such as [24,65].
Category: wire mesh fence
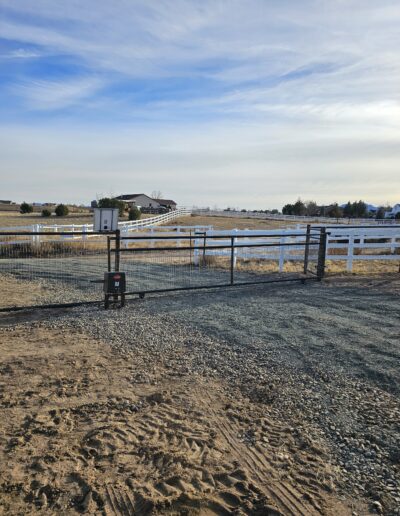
[51,269]
[175,263]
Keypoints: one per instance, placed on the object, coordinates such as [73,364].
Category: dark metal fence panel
[179,262]
[39,269]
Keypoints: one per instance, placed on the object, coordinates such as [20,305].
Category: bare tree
[156,194]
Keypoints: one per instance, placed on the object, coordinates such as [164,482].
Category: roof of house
[126,197]
[165,201]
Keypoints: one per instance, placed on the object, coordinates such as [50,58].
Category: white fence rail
[345,244]
[290,218]
[126,227]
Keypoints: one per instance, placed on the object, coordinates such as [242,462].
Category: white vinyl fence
[346,244]
[290,218]
[125,227]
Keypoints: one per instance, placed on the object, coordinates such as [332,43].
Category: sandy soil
[80,436]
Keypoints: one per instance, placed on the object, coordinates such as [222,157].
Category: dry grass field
[231,222]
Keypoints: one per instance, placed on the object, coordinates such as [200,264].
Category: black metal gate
[53,269]
[155,264]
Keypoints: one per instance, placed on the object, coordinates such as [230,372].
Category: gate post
[117,249]
[307,248]
[321,254]
[108,254]
[232,257]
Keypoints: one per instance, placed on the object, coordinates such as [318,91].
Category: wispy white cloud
[50,95]
[20,53]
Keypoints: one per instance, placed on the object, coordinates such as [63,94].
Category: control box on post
[114,287]
[105,219]
[114,283]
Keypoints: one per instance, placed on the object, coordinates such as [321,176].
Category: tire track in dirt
[260,468]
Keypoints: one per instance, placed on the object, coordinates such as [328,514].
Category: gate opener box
[105,219]
[114,283]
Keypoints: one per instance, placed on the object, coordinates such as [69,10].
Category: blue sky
[214,102]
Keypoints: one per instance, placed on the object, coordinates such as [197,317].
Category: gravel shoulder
[268,400]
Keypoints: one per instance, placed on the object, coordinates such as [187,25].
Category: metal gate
[54,269]
[154,264]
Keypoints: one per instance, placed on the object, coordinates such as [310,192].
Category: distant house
[391,214]
[145,202]
[6,202]
[141,200]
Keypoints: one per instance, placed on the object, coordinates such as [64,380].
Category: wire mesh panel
[176,268]
[174,263]
[45,269]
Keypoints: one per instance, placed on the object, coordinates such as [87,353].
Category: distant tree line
[357,209]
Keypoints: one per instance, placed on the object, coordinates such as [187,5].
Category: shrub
[134,213]
[26,208]
[397,216]
[61,210]
[46,213]
[107,202]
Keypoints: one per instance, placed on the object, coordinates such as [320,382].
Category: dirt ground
[78,436]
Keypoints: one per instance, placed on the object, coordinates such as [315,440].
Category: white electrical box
[105,219]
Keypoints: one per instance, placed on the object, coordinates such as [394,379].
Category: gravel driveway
[321,358]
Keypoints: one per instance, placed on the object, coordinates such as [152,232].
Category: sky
[247,104]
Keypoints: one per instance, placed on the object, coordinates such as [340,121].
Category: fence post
[232,258]
[321,254]
[196,251]
[235,250]
[108,254]
[117,249]
[350,253]
[281,253]
[307,248]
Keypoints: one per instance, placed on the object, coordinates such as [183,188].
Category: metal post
[321,254]
[108,254]
[117,249]
[232,258]
[307,249]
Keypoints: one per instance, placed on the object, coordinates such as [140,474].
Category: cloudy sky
[248,103]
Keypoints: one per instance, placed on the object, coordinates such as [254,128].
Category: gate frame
[309,235]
